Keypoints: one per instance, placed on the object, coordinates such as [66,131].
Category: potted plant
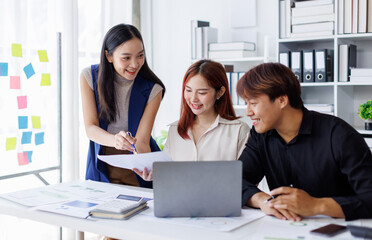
[160,140]
[365,112]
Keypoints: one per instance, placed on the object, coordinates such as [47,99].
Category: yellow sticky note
[43,56]
[45,79]
[16,50]
[36,122]
[11,143]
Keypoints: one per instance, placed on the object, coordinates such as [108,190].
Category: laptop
[197,189]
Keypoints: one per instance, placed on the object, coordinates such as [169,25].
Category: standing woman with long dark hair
[120,99]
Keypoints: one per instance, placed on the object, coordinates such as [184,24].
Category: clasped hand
[290,204]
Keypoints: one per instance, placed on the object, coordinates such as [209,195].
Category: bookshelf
[246,63]
[345,96]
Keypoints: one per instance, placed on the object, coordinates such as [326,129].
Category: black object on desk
[362,232]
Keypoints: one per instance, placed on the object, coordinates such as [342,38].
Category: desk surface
[137,228]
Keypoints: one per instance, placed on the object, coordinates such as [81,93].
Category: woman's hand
[147,176]
[122,141]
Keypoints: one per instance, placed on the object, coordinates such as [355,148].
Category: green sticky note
[36,122]
[45,79]
[11,143]
[43,56]
[16,50]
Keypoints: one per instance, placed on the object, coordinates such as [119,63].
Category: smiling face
[264,113]
[128,58]
[199,96]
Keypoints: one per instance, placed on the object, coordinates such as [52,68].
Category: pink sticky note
[15,82]
[22,102]
[22,158]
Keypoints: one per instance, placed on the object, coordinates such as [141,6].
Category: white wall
[170,34]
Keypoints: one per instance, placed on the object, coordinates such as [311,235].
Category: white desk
[134,228]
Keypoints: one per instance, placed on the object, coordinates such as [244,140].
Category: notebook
[197,189]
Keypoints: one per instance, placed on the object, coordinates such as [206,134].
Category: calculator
[120,204]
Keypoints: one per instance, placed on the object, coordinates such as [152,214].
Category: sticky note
[3,69]
[26,137]
[17,50]
[29,71]
[45,79]
[36,122]
[43,56]
[15,82]
[39,138]
[22,122]
[22,102]
[10,143]
[29,156]
[22,158]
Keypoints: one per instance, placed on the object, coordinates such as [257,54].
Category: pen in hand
[275,196]
[134,147]
[271,198]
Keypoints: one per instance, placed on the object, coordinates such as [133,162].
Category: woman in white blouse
[208,129]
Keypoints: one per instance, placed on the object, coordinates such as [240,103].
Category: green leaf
[160,140]
[365,110]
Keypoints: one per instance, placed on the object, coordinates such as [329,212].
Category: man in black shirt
[313,163]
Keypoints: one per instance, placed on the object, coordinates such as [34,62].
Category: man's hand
[259,200]
[296,201]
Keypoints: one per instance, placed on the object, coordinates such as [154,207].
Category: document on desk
[273,228]
[68,192]
[57,193]
[139,161]
[223,224]
[86,196]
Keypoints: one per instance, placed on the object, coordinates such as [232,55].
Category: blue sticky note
[22,122]
[39,138]
[29,71]
[29,155]
[26,137]
[3,69]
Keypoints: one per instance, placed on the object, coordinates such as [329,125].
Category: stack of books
[354,16]
[302,19]
[313,18]
[123,207]
[201,35]
[233,78]
[322,108]
[347,60]
[361,75]
[231,50]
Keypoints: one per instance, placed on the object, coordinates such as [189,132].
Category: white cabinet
[346,96]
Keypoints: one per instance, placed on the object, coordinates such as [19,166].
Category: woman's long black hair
[116,36]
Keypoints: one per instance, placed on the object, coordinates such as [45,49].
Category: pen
[271,198]
[134,147]
[275,196]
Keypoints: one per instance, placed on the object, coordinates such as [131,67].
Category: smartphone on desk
[120,204]
[329,230]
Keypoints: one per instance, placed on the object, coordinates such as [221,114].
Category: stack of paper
[361,75]
[313,18]
[231,50]
[322,108]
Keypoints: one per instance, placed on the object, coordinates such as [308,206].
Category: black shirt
[328,158]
